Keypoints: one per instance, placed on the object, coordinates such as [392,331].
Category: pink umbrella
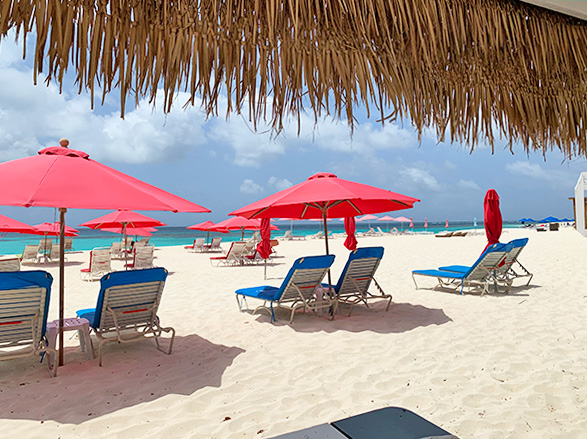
[54,229]
[324,196]
[124,219]
[239,223]
[386,218]
[492,218]
[368,218]
[425,223]
[137,231]
[411,223]
[447,224]
[401,220]
[206,226]
[66,178]
[10,225]
[349,227]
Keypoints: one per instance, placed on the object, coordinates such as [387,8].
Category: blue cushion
[440,273]
[264,292]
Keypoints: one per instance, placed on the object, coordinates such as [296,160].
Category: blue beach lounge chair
[479,275]
[24,304]
[127,308]
[505,273]
[297,289]
[356,278]
[385,423]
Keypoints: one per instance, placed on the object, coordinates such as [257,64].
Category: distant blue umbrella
[567,220]
[526,220]
[549,219]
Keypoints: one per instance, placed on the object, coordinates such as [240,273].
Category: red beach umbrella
[447,224]
[137,231]
[123,219]
[492,217]
[324,196]
[68,179]
[206,226]
[425,223]
[239,223]
[54,229]
[411,223]
[10,225]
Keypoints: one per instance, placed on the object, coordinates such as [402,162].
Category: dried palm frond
[477,68]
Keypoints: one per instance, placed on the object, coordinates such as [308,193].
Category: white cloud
[449,165]
[469,184]
[529,170]
[249,187]
[421,177]
[279,184]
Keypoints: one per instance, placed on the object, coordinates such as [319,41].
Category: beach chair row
[303,287]
[126,311]
[200,246]
[141,256]
[498,266]
[242,253]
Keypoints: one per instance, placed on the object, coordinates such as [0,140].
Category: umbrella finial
[63,142]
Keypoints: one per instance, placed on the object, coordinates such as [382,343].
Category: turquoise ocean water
[13,243]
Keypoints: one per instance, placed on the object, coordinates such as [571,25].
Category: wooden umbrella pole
[62,211]
[326,242]
[125,250]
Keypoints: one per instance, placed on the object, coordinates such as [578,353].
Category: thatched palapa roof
[470,68]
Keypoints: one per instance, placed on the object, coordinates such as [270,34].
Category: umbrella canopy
[8,224]
[324,196]
[65,178]
[207,226]
[549,219]
[54,229]
[137,231]
[386,218]
[367,217]
[122,218]
[492,217]
[239,223]
[444,63]
[402,219]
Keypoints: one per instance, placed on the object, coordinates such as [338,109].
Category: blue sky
[223,165]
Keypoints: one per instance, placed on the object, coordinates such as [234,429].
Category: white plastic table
[83,330]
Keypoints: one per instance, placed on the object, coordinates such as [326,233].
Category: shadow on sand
[133,373]
[401,317]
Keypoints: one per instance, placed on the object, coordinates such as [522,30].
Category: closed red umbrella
[10,225]
[411,223]
[349,227]
[65,178]
[425,223]
[492,217]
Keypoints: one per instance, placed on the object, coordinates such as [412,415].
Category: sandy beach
[480,367]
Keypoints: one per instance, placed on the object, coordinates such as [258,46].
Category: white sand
[481,367]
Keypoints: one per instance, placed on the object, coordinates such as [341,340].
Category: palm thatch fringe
[470,68]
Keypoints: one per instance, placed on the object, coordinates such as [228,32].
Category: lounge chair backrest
[45,245]
[128,299]
[216,242]
[54,252]
[24,304]
[100,260]
[287,234]
[304,277]
[488,261]
[12,264]
[237,250]
[143,256]
[68,243]
[517,247]
[145,239]
[30,253]
[359,271]
[199,243]
[116,250]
